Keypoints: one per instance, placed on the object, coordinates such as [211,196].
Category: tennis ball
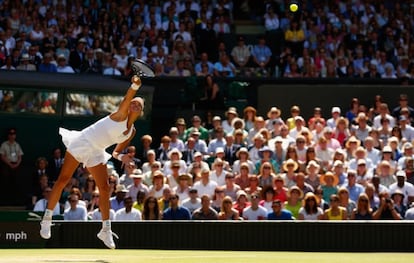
[293,7]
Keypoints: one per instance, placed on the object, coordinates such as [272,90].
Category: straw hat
[272,110]
[232,110]
[136,173]
[249,108]
[352,139]
[175,150]
[329,174]
[121,188]
[310,195]
[290,162]
[295,188]
[314,164]
[265,149]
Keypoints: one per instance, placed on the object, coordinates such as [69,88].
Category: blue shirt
[355,191]
[47,68]
[261,53]
[180,213]
[285,215]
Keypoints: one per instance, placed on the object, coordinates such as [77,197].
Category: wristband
[119,157]
[134,86]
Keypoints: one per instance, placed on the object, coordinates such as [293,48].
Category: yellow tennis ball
[293,7]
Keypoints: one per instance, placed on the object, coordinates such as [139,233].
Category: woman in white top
[310,209]
[88,147]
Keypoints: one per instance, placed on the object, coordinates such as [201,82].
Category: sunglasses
[173,198]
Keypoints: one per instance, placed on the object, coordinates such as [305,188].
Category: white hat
[400,173]
[336,109]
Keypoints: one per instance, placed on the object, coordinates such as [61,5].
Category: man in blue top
[279,213]
[176,212]
[261,53]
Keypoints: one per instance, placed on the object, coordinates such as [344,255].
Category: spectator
[151,210]
[11,155]
[117,201]
[261,55]
[41,204]
[363,210]
[241,54]
[75,212]
[62,67]
[335,212]
[278,212]
[175,211]
[205,212]
[310,209]
[128,213]
[137,185]
[25,64]
[224,68]
[227,212]
[193,202]
[47,65]
[77,56]
[112,70]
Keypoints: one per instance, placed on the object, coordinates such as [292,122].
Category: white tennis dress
[88,145]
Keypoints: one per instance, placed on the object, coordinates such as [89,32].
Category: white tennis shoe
[107,237]
[45,226]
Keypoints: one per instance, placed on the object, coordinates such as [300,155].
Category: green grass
[185,256]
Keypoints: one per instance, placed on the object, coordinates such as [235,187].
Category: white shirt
[220,179]
[190,205]
[377,121]
[41,206]
[96,214]
[207,189]
[122,215]
[250,214]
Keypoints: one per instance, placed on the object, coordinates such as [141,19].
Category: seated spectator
[293,202]
[310,209]
[151,211]
[224,68]
[363,210]
[227,212]
[221,26]
[335,212]
[205,212]
[47,65]
[278,212]
[113,69]
[255,211]
[40,205]
[128,213]
[179,70]
[193,202]
[386,210]
[261,54]
[204,66]
[25,64]
[175,211]
[240,54]
[117,201]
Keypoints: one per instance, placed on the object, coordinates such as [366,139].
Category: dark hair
[146,210]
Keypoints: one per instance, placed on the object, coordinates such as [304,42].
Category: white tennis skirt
[82,149]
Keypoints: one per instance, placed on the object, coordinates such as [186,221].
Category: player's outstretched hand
[136,80]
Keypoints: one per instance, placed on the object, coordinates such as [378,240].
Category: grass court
[186,256]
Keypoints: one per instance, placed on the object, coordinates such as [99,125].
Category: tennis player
[88,147]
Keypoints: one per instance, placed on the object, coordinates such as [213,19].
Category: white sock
[106,224]
[48,214]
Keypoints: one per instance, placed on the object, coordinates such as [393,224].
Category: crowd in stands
[356,164]
[343,38]
[352,164]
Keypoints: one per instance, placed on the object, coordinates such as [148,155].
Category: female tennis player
[88,147]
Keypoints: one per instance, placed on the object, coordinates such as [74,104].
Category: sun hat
[331,175]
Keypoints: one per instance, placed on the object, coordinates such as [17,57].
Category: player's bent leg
[99,173]
[65,175]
